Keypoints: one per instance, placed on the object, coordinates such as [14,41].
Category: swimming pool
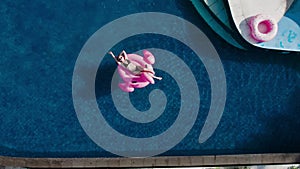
[41,41]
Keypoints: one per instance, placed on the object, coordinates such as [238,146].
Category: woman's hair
[120,56]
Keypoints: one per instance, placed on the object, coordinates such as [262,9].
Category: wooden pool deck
[173,161]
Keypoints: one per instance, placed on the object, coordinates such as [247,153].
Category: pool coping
[170,161]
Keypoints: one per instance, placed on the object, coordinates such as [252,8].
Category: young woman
[137,70]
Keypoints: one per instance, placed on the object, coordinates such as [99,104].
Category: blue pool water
[41,40]
[293,12]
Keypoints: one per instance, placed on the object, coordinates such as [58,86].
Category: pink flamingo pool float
[136,71]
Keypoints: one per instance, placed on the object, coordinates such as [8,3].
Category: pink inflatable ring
[263,28]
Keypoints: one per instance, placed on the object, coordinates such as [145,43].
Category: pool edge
[174,161]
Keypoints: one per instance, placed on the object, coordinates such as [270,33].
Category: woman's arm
[112,54]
